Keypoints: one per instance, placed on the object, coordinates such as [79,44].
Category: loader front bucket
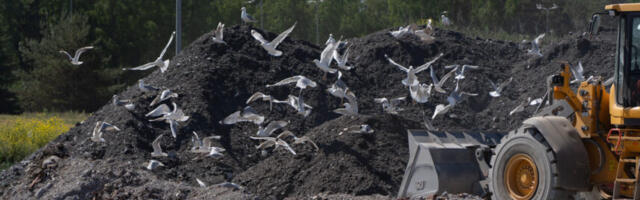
[451,162]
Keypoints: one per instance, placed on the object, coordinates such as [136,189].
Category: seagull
[401,31]
[365,128]
[460,70]
[429,27]
[218,34]
[440,109]
[248,114]
[246,17]
[520,107]
[153,164]
[350,108]
[420,93]
[172,118]
[102,126]
[264,97]
[578,73]
[202,184]
[163,65]
[456,95]
[75,60]
[341,61]
[294,102]
[444,20]
[535,102]
[157,150]
[535,46]
[298,140]
[539,7]
[270,128]
[204,145]
[339,88]
[427,123]
[498,89]
[331,40]
[216,152]
[121,102]
[412,79]
[390,105]
[324,64]
[301,107]
[146,88]
[271,46]
[159,111]
[164,95]
[302,82]
[437,84]
[272,141]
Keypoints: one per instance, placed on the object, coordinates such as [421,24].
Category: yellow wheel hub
[521,177]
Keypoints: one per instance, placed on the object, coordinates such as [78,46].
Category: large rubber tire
[531,143]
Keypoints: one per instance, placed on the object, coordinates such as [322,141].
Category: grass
[21,135]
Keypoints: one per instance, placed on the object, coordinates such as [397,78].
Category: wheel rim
[521,177]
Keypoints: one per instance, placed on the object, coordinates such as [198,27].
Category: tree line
[34,76]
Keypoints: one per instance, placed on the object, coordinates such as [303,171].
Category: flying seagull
[437,84]
[248,114]
[270,47]
[412,79]
[539,7]
[204,145]
[535,46]
[264,97]
[390,105]
[324,64]
[339,88]
[123,102]
[157,150]
[456,95]
[440,109]
[102,126]
[172,118]
[420,93]
[521,106]
[202,184]
[444,20]
[301,82]
[295,103]
[273,142]
[330,40]
[460,70]
[350,108]
[298,140]
[146,88]
[341,60]
[75,60]
[246,17]
[218,34]
[270,128]
[158,111]
[164,95]
[497,89]
[578,73]
[162,64]
[153,164]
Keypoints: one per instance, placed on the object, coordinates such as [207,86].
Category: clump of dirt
[214,80]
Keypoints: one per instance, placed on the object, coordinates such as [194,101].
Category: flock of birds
[419,92]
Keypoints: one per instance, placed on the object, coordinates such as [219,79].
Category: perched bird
[390,105]
[157,150]
[350,108]
[270,128]
[437,84]
[75,60]
[146,88]
[162,64]
[324,64]
[341,61]
[302,82]
[153,164]
[444,20]
[330,40]
[578,73]
[264,97]
[497,89]
[164,95]
[172,118]
[102,126]
[429,26]
[218,34]
[123,102]
[420,93]
[201,183]
[401,31]
[339,88]
[365,128]
[273,142]
[521,106]
[246,17]
[204,145]
[294,102]
[270,47]
[460,70]
[412,79]
[298,140]
[248,114]
[535,46]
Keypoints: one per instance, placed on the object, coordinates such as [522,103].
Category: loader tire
[524,167]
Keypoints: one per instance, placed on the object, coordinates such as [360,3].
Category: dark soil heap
[214,80]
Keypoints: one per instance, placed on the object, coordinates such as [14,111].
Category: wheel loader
[585,141]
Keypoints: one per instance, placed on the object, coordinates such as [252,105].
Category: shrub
[23,136]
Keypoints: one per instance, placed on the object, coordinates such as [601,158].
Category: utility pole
[178,26]
[316,2]
[261,16]
[547,10]
[70,8]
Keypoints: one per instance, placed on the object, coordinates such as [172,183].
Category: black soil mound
[214,80]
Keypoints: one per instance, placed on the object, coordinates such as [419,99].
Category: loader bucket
[451,162]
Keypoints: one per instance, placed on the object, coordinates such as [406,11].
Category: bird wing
[286,81]
[256,35]
[266,144]
[396,64]
[428,64]
[275,125]
[286,134]
[263,138]
[275,42]
[493,85]
[257,96]
[446,76]
[504,84]
[327,53]
[434,78]
[166,46]
[159,111]
[397,100]
[81,50]
[174,128]
[286,146]
[307,139]
[108,127]
[380,100]
[537,40]
[66,53]
[219,31]
[156,144]
[233,118]
[143,67]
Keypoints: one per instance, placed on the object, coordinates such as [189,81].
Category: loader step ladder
[622,181]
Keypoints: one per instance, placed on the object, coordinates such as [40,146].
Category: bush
[23,136]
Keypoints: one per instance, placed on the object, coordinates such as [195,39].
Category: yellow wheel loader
[585,142]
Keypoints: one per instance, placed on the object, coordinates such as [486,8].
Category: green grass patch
[21,135]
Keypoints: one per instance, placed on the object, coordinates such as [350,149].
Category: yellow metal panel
[623,7]
[619,113]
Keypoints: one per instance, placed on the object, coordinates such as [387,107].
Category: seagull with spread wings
[75,60]
[270,46]
[162,64]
